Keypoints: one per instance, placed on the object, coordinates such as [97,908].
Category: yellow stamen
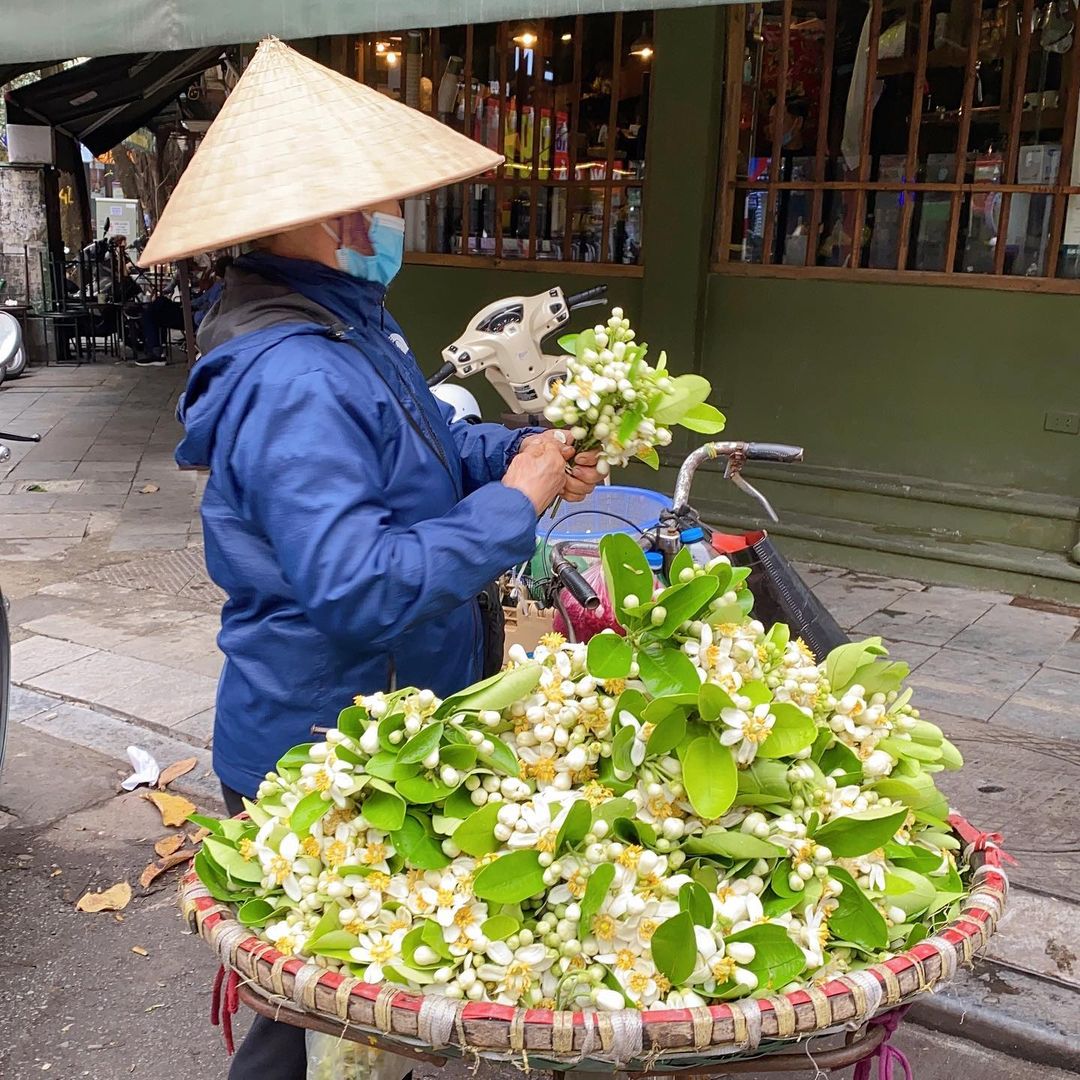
[631,854]
[603,926]
[552,640]
[310,846]
[336,854]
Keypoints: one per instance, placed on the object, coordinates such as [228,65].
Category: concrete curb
[996,1030]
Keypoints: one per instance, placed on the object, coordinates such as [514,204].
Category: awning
[100,103]
[33,28]
[14,70]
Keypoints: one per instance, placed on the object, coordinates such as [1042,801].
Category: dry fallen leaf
[174,808]
[56,873]
[168,844]
[149,489]
[156,869]
[119,896]
[138,950]
[177,769]
[198,836]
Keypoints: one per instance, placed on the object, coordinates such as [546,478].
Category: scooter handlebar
[442,374]
[569,577]
[596,295]
[767,451]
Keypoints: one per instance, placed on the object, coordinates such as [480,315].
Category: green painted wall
[947,383]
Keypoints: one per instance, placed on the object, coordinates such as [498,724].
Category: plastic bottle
[701,551]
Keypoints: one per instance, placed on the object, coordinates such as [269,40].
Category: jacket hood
[251,307]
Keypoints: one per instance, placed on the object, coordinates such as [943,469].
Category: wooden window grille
[904,140]
[566,100]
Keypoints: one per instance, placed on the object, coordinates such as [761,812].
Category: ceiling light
[567,37]
[527,38]
[642,46]
[391,58]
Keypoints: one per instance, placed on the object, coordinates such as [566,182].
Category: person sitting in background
[164,314]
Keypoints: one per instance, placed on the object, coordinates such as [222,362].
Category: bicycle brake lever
[744,485]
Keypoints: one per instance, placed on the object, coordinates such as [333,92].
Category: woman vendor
[349,521]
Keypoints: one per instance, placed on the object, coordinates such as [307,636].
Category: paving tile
[95,677]
[108,628]
[135,540]
[850,602]
[163,699]
[911,652]
[37,605]
[1067,658]
[190,645]
[910,626]
[1017,633]
[948,602]
[43,470]
[33,502]
[1048,704]
[198,728]
[968,684]
[41,526]
[36,550]
[34,656]
[105,470]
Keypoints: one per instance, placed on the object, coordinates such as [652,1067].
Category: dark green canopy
[32,29]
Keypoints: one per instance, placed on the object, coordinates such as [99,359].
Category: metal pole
[189,320]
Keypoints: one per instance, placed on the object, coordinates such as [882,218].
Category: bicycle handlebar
[746,451]
[442,374]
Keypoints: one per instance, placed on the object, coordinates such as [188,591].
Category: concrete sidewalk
[114,623]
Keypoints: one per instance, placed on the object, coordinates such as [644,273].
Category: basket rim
[965,934]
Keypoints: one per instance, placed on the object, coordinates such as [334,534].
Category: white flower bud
[742,952]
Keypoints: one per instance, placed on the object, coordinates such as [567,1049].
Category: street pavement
[114,623]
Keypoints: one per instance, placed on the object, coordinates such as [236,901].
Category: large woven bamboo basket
[395,1018]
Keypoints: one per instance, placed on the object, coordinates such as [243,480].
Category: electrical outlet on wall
[1065,422]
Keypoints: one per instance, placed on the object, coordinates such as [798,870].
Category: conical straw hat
[295,143]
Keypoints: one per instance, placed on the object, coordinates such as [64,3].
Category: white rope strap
[277,977]
[702,1019]
[785,1016]
[228,940]
[985,871]
[517,1030]
[343,996]
[435,1022]
[748,1024]
[626,1036]
[867,992]
[562,1032]
[588,1039]
[304,983]
[947,952]
[892,984]
[384,1008]
[822,1009]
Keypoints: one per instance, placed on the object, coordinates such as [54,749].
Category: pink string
[886,1054]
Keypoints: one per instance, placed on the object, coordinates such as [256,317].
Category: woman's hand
[538,470]
[582,476]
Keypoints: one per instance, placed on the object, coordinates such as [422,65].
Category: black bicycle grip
[767,451]
[587,296]
[442,374]
[575,584]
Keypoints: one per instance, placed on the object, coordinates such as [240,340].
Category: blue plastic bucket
[583,521]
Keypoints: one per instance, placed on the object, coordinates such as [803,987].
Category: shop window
[565,100]
[910,139]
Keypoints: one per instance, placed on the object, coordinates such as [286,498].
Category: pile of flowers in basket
[695,812]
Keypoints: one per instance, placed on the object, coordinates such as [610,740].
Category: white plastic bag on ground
[332,1058]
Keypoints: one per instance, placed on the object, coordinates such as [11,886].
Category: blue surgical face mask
[386,234]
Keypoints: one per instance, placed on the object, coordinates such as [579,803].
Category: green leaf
[696,902]
[620,749]
[459,804]
[703,418]
[294,758]
[777,960]
[432,936]
[910,891]
[734,845]
[913,856]
[595,891]
[458,756]
[257,912]
[897,747]
[259,817]
[475,835]
[842,663]
[839,756]
[609,656]
[421,744]
[626,571]
[862,832]
[682,602]
[205,822]
[417,845]
[422,790]
[667,671]
[793,731]
[667,734]
[712,700]
[710,777]
[630,422]
[496,693]
[757,692]
[311,808]
[568,344]
[217,884]
[352,721]
[683,560]
[765,778]
[384,809]
[499,927]
[613,809]
[575,825]
[501,759]
[856,919]
[951,758]
[510,878]
[686,392]
[648,456]
[674,948]
[662,707]
[233,863]
[881,676]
